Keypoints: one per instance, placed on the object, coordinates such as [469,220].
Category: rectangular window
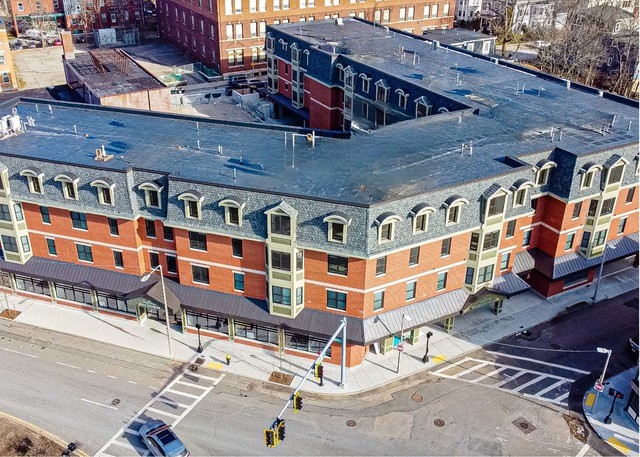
[511,229]
[414,256]
[615,174]
[607,206]
[200,274]
[238,282]
[198,241]
[336,300]
[386,232]
[526,240]
[586,237]
[600,237]
[485,274]
[167,233]
[299,260]
[236,247]
[577,208]
[622,225]
[468,276]
[79,220]
[630,193]
[24,241]
[9,243]
[84,252]
[113,226]
[381,265]
[281,295]
[442,281]
[336,232]
[154,259]
[593,206]
[281,260]
[421,223]
[504,260]
[17,208]
[378,300]
[445,248]
[118,260]
[299,295]
[588,180]
[453,214]
[44,212]
[51,246]
[172,264]
[338,265]
[5,213]
[569,243]
[280,225]
[521,197]
[411,290]
[150,227]
[491,240]
[496,205]
[534,204]
[474,241]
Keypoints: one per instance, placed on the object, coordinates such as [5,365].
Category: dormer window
[348,77]
[281,224]
[420,214]
[386,223]
[233,207]
[588,172]
[402,98]
[496,205]
[192,204]
[337,226]
[281,220]
[615,174]
[34,179]
[69,182]
[105,187]
[365,83]
[453,205]
[271,42]
[340,72]
[542,170]
[295,53]
[151,194]
[520,189]
[423,108]
[382,91]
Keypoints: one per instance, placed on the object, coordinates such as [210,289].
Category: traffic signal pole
[342,327]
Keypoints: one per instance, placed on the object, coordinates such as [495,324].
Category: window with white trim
[105,192]
[232,211]
[69,186]
[496,205]
[151,194]
[587,179]
[192,205]
[34,180]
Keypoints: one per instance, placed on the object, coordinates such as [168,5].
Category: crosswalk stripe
[517,357]
[509,379]
[562,397]
[447,367]
[488,375]
[139,450]
[527,384]
[472,369]
[171,402]
[182,393]
[198,375]
[551,387]
[159,411]
[132,432]
[190,384]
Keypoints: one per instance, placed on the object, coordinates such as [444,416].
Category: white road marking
[509,379]
[488,375]
[583,451]
[132,382]
[99,404]
[91,371]
[210,378]
[124,444]
[70,366]
[448,367]
[132,432]
[159,411]
[472,369]
[190,384]
[182,393]
[562,397]
[551,387]
[564,367]
[112,377]
[527,384]
[172,403]
[21,353]
[151,387]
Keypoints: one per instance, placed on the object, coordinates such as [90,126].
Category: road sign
[400,347]
[598,386]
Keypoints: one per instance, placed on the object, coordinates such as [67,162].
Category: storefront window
[35,286]
[116,303]
[208,322]
[72,293]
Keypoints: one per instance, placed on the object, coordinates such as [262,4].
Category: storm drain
[115,401]
[438,423]
[416,397]
[524,425]
[351,423]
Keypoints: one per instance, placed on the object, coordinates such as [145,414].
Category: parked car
[57,42]
[161,440]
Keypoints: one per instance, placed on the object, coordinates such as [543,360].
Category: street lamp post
[408,318]
[595,292]
[145,278]
[606,363]
[198,327]
[425,359]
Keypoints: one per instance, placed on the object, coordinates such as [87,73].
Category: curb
[41,431]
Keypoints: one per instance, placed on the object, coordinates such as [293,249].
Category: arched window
[69,183]
[105,187]
[453,205]
[542,171]
[338,223]
[420,214]
[386,223]
[34,179]
[192,204]
[152,192]
[233,207]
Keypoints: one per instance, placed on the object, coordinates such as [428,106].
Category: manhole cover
[438,423]
[416,397]
[351,423]
[115,401]
[524,425]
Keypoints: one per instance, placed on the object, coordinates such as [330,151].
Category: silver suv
[161,440]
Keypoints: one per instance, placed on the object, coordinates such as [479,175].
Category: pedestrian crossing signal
[297,402]
[270,437]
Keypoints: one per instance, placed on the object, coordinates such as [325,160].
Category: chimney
[67,45]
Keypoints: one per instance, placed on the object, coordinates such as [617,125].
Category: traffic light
[320,371]
[270,437]
[297,402]
[280,430]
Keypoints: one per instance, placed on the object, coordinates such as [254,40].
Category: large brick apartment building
[272,234]
[229,34]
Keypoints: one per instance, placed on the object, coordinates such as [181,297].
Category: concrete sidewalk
[472,330]
[614,425]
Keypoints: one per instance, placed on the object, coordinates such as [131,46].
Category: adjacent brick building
[228,35]
[272,235]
